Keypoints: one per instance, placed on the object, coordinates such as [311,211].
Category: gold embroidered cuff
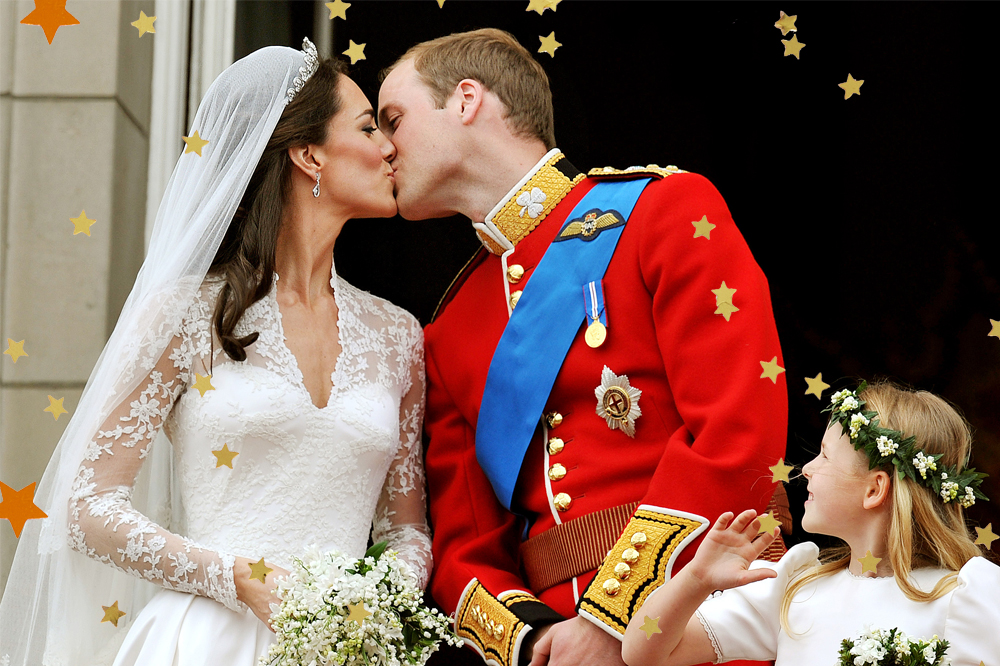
[641,561]
[488,624]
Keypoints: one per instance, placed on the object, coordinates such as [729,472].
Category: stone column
[74,136]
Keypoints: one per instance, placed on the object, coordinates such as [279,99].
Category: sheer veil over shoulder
[51,610]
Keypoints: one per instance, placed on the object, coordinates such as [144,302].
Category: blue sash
[542,328]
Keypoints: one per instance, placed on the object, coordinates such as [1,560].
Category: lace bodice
[301,475]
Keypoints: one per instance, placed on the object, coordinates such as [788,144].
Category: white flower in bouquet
[880,647]
[341,610]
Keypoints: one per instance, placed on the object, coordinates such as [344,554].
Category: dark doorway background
[873,217]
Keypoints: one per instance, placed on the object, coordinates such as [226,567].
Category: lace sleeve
[401,513]
[105,526]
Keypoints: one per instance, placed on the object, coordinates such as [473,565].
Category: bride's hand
[255,594]
[723,558]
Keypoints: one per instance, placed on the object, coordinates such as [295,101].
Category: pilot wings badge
[591,225]
[618,402]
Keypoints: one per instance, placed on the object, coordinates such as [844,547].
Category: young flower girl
[889,481]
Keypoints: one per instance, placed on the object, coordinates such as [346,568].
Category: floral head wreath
[884,446]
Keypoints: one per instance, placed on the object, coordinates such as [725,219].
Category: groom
[604,376]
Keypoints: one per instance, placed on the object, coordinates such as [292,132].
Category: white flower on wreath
[886,446]
[969,498]
[924,463]
[531,202]
[857,420]
[839,395]
[850,402]
[949,490]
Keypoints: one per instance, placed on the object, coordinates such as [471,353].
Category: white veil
[54,594]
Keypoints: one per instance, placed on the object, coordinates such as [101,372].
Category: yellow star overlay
[771,369]
[995,332]
[81,225]
[768,523]
[780,471]
[203,383]
[726,310]
[357,613]
[816,386]
[869,562]
[723,294]
[112,614]
[441,3]
[986,537]
[15,349]
[50,15]
[786,23]
[259,570]
[651,625]
[541,5]
[56,407]
[850,86]
[18,506]
[793,46]
[224,457]
[703,228]
[355,52]
[144,23]
[338,9]
[549,44]
[194,143]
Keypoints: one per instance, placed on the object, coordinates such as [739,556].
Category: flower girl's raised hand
[724,556]
[721,562]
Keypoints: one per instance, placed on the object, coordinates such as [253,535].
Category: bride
[293,401]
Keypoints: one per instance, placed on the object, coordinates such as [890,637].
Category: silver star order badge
[618,402]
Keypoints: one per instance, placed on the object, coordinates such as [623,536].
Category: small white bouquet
[338,610]
[892,647]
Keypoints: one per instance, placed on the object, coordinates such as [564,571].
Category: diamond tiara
[307,69]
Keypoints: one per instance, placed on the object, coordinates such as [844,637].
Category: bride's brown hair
[245,259]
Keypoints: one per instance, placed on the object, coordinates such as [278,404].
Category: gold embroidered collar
[528,202]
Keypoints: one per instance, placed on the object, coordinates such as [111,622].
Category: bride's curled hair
[245,260]
[923,531]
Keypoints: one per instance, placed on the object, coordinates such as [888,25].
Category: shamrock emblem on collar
[531,202]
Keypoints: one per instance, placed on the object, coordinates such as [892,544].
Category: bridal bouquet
[892,647]
[337,610]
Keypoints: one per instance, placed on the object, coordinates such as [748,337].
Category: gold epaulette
[655,170]
[639,563]
[488,625]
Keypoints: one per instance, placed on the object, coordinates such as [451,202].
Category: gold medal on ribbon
[596,334]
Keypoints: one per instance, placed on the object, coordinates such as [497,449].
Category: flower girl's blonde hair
[922,529]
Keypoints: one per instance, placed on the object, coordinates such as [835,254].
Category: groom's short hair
[504,67]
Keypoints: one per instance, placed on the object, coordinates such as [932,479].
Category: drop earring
[316,189]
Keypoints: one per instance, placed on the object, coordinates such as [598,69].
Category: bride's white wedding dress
[302,474]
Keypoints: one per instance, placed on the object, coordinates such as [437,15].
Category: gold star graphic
[786,23]
[338,9]
[771,369]
[194,143]
[703,228]
[726,310]
[541,5]
[441,3]
[768,523]
[869,562]
[816,386]
[56,407]
[112,614]
[793,46]
[986,537]
[995,332]
[723,294]
[224,456]
[15,349]
[355,52]
[780,471]
[259,570]
[850,86]
[357,613]
[144,23]
[203,383]
[81,225]
[50,15]
[18,506]
[549,44]
[651,626]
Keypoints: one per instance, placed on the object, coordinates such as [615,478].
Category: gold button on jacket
[515,273]
[557,472]
[562,501]
[514,298]
[555,446]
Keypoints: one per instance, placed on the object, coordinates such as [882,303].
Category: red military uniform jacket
[690,325]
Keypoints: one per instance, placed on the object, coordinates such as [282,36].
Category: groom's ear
[469,95]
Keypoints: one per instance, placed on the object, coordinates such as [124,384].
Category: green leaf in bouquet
[376,550]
